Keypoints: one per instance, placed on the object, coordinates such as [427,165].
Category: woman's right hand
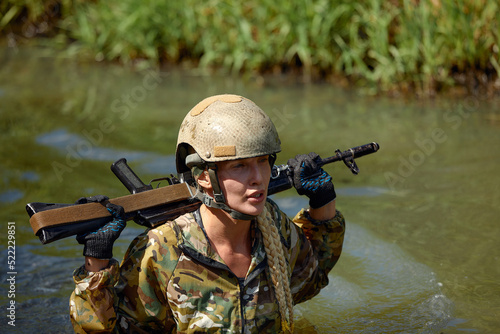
[99,244]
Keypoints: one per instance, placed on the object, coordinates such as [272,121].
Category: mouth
[257,195]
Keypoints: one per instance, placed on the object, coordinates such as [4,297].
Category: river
[421,251]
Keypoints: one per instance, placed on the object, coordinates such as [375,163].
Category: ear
[204,181]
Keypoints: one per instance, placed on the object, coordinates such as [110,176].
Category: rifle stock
[51,222]
[147,206]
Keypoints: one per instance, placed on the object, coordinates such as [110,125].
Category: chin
[257,210]
[253,211]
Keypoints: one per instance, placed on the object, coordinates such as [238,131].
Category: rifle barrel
[354,153]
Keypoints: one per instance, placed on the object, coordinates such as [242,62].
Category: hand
[99,244]
[311,180]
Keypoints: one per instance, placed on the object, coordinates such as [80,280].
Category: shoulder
[157,245]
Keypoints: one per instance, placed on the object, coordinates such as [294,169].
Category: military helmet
[225,127]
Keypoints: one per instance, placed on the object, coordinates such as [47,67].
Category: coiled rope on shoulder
[278,268]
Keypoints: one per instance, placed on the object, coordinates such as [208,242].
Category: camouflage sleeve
[129,297]
[145,272]
[317,247]
[92,303]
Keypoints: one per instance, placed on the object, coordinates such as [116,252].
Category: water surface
[421,252]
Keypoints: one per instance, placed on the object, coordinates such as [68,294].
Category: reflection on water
[11,196]
[362,191]
[421,251]
[83,148]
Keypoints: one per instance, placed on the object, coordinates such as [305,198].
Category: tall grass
[383,45]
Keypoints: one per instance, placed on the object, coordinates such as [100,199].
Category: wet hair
[278,269]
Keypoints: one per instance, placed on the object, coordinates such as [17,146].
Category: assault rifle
[148,206]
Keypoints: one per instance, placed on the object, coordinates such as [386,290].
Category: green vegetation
[400,45]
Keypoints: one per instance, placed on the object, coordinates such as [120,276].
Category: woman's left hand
[311,180]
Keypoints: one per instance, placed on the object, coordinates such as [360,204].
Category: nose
[256,174]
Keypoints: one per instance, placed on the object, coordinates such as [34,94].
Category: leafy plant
[383,45]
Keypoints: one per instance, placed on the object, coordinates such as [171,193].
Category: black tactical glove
[99,244]
[311,180]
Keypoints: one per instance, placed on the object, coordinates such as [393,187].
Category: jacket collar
[193,240]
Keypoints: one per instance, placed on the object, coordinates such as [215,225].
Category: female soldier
[237,264]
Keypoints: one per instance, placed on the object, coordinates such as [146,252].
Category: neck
[221,228]
[230,238]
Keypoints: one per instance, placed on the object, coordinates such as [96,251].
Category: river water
[421,251]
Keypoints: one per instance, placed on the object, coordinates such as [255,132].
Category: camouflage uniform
[171,280]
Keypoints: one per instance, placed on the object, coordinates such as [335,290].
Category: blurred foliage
[402,45]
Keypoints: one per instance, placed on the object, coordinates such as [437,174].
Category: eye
[264,159]
[237,165]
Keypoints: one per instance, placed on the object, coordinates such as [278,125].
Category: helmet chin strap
[210,202]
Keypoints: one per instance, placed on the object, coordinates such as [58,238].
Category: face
[244,183]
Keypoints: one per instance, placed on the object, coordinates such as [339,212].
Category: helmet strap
[272,160]
[214,180]
[210,202]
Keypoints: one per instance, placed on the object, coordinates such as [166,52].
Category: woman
[237,264]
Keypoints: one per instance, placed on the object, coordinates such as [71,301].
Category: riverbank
[420,48]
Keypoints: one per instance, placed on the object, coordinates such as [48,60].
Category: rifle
[148,206]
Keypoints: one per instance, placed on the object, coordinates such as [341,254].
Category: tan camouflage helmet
[225,127]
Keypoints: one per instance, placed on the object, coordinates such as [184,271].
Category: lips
[257,196]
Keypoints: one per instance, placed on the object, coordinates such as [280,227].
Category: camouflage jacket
[172,281]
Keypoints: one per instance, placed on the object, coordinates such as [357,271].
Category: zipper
[216,264]
[242,315]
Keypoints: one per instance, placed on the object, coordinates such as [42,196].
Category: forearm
[325,212]
[93,300]
[320,244]
[93,265]
[325,235]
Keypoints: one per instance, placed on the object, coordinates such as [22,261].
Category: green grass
[403,45]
